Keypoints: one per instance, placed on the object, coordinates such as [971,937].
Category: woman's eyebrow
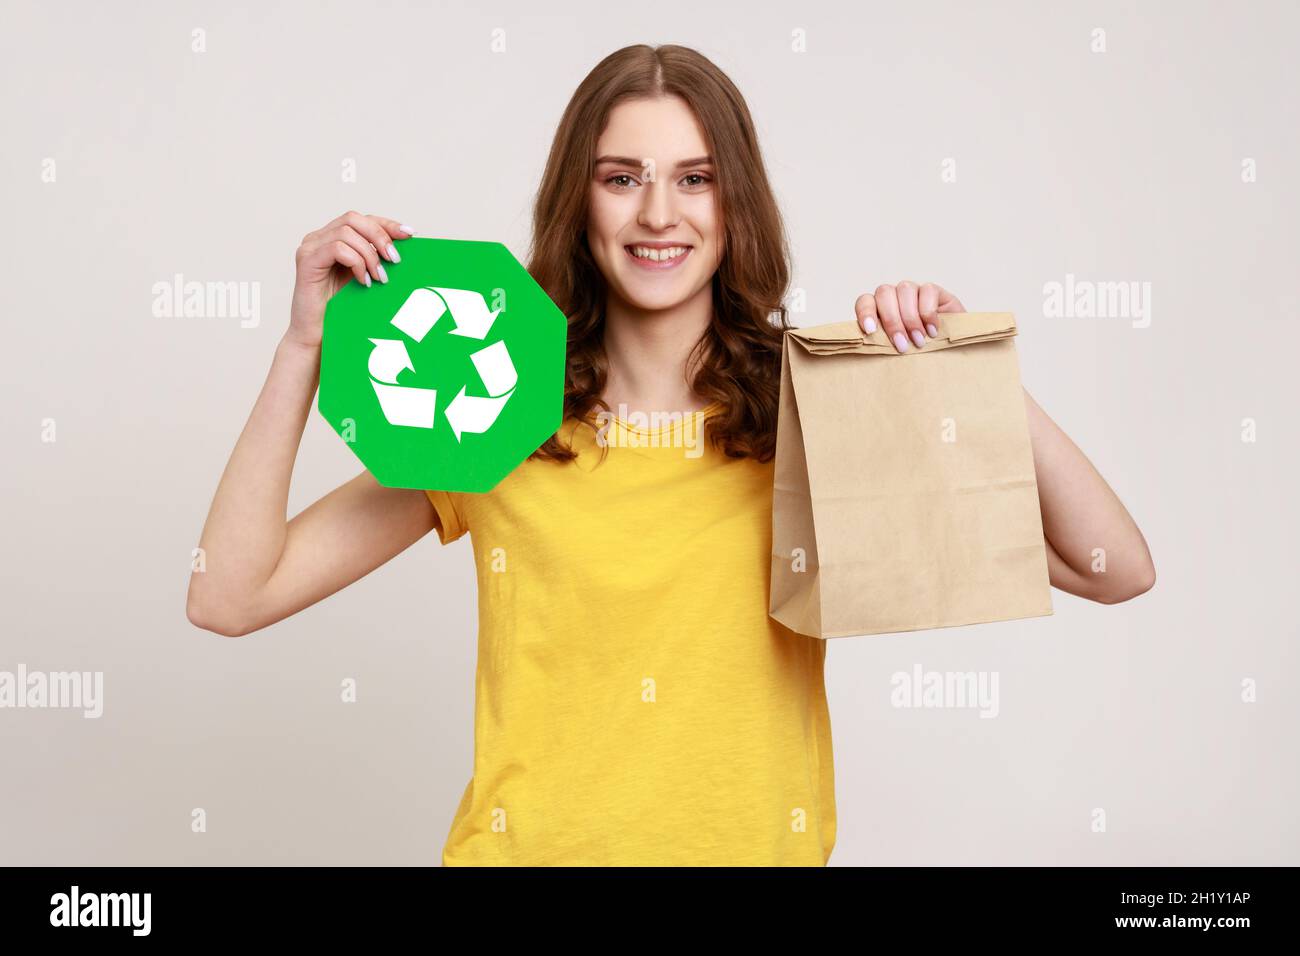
[632,161]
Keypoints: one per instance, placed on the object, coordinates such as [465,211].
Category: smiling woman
[635,703]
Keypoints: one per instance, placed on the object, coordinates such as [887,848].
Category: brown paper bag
[905,495]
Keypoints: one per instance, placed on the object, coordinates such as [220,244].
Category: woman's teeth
[658,255]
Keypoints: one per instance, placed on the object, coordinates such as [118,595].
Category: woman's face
[653,224]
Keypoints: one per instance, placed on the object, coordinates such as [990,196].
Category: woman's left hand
[906,310]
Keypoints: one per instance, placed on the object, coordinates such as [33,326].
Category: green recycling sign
[450,374]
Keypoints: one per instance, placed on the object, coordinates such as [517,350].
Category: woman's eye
[626,181]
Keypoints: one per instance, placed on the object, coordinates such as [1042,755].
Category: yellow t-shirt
[635,704]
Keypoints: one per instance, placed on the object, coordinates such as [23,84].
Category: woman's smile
[658,257]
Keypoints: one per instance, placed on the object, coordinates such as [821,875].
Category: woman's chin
[655,295]
[655,303]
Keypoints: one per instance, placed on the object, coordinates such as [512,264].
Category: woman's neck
[647,352]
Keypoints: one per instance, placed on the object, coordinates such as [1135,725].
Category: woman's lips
[651,265]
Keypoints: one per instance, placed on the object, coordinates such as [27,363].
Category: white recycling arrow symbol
[416,407]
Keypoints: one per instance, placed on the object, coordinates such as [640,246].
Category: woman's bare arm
[259,567]
[1094,547]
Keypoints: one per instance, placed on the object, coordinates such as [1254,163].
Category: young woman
[635,704]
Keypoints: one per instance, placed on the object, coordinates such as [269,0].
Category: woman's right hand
[350,246]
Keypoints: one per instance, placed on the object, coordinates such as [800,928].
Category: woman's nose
[658,210]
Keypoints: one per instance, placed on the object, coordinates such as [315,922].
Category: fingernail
[918,338]
[870,324]
[900,341]
[392,253]
[383,276]
[408,230]
[366,276]
[934,333]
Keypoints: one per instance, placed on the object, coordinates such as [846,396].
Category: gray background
[1115,166]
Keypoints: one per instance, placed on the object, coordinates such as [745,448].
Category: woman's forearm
[1095,549]
[244,534]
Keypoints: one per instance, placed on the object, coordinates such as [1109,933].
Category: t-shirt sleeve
[451,521]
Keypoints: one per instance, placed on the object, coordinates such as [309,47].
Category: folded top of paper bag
[955,328]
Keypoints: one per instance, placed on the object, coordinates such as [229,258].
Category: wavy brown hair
[738,359]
